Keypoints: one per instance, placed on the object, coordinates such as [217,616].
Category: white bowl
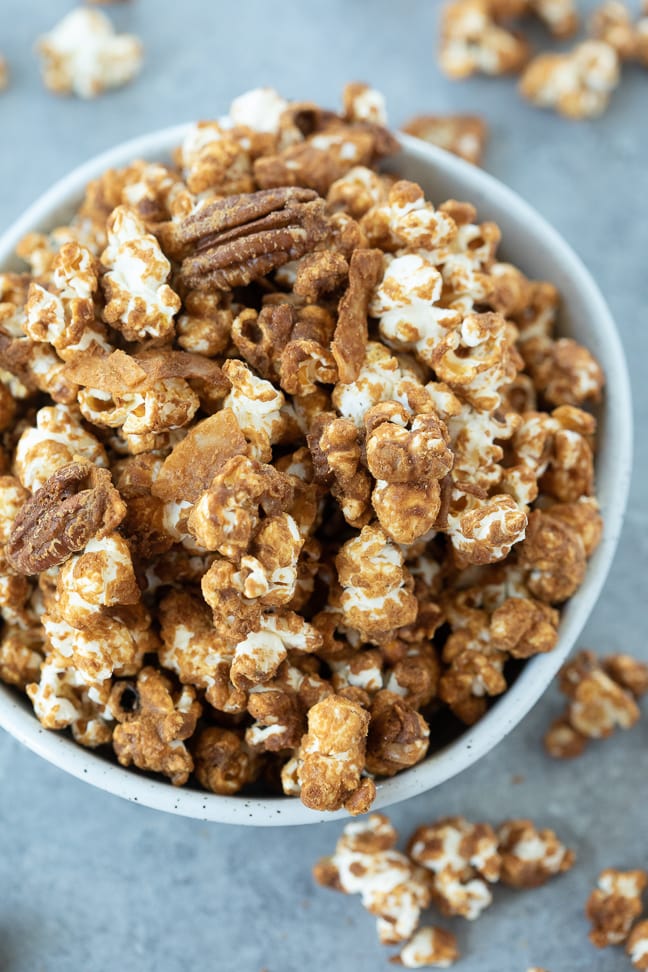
[536,248]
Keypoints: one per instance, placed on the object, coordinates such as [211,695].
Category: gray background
[89,882]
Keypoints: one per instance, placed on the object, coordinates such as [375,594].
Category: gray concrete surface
[90,883]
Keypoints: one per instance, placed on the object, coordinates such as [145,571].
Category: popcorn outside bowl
[541,253]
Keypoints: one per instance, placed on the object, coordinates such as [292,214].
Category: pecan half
[241,238]
[75,504]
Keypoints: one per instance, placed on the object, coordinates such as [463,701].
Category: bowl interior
[530,243]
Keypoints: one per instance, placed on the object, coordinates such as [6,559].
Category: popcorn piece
[477,358]
[279,708]
[83,55]
[336,450]
[216,159]
[637,945]
[524,627]
[257,407]
[564,371]
[530,857]
[258,657]
[260,110]
[472,42]
[562,741]
[598,705]
[227,515]
[382,378]
[366,863]
[65,315]
[20,655]
[376,595]
[357,192]
[614,904]
[577,84]
[206,322]
[62,699]
[57,437]
[223,762]
[107,645]
[463,135]
[193,650]
[407,222]
[363,103]
[628,672]
[408,465]
[482,531]
[429,947]
[554,554]
[462,858]
[139,301]
[332,757]
[102,576]
[154,722]
[398,735]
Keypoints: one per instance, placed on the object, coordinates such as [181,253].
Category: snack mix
[295,470]
[84,56]
[449,865]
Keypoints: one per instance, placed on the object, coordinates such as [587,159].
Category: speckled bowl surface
[530,243]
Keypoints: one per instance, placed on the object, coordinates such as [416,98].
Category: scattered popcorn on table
[463,135]
[602,697]
[614,904]
[83,55]
[472,41]
[450,865]
[365,862]
[300,467]
[577,84]
[463,858]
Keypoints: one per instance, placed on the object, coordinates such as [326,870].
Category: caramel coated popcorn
[577,84]
[83,55]
[602,696]
[463,135]
[295,465]
[450,865]
[614,904]
[530,857]
[463,858]
[365,862]
[473,41]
